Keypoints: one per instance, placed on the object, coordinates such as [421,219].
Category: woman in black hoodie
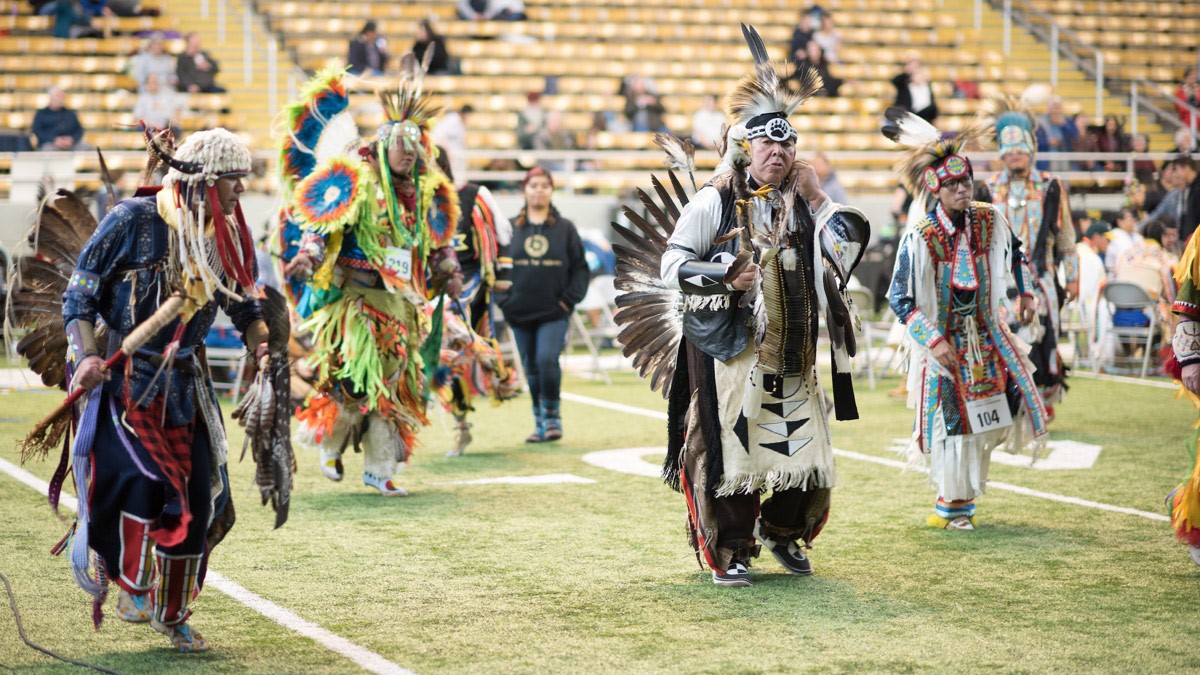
[549,276]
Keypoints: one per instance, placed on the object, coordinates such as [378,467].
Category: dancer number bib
[399,261]
[989,413]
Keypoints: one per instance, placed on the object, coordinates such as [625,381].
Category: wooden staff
[49,432]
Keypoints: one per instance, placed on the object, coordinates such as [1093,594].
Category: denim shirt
[121,278]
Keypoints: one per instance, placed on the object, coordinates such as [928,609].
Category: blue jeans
[540,344]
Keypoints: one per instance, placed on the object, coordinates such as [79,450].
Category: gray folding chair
[1122,295]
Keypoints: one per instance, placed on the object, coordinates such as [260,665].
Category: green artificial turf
[599,577]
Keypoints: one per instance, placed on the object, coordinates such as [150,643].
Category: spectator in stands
[1189,182]
[554,136]
[71,20]
[491,10]
[828,37]
[196,70]
[1144,170]
[802,34]
[158,106]
[707,124]
[829,179]
[1055,133]
[530,120]
[1114,139]
[913,90]
[815,57]
[56,127]
[1187,96]
[1122,239]
[427,38]
[1166,201]
[643,107]
[368,52]
[1185,141]
[451,134]
[1150,264]
[153,59]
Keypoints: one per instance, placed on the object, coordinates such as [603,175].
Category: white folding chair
[230,359]
[1123,295]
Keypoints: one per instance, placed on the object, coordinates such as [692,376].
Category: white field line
[363,657]
[1029,492]
[1104,377]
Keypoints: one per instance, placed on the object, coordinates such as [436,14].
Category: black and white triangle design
[784,409]
[701,281]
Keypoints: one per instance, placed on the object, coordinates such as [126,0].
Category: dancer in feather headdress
[1185,367]
[373,231]
[149,458]
[1038,209]
[755,256]
[471,363]
[971,380]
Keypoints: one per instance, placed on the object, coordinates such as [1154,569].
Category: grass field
[598,577]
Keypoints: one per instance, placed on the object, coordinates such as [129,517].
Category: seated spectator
[57,127]
[1165,201]
[530,120]
[1150,264]
[1122,239]
[1055,133]
[153,60]
[1187,96]
[828,37]
[491,10]
[801,35]
[159,107]
[1189,181]
[368,52]
[643,107]
[554,136]
[913,90]
[1113,139]
[71,20]
[1185,141]
[815,57]
[829,179]
[196,70]
[707,124]
[427,38]
[1143,169]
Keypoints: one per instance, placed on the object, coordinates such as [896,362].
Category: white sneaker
[735,575]
[1195,551]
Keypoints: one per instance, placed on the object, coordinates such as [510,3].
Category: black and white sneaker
[787,552]
[735,575]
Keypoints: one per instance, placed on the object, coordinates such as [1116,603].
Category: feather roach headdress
[1014,125]
[409,111]
[762,102]
[929,159]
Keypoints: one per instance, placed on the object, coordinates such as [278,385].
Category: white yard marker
[363,657]
[1062,454]
[630,467]
[627,460]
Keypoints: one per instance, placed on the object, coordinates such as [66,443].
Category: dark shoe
[736,575]
[551,421]
[539,425]
[787,552]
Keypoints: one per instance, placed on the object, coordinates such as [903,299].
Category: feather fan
[38,280]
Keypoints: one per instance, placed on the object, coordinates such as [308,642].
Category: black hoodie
[548,268]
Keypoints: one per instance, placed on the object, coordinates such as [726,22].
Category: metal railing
[1061,41]
[578,169]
